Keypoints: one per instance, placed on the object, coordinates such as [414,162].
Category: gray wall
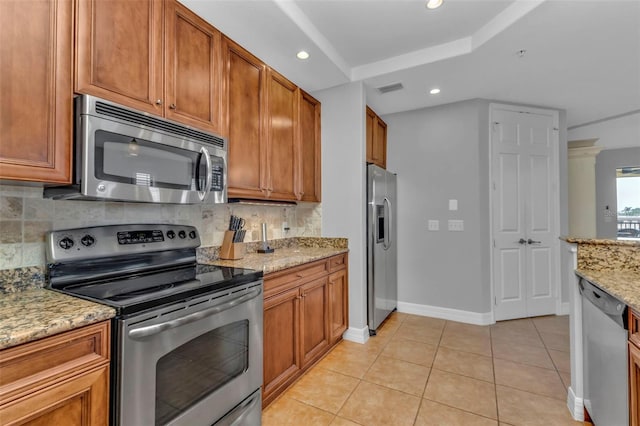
[441,153]
[344,184]
[606,164]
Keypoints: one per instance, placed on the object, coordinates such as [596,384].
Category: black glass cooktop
[137,292]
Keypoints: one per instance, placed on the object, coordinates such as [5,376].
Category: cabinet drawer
[337,262]
[35,365]
[294,276]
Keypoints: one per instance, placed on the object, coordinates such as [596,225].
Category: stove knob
[182,234]
[171,235]
[192,234]
[88,240]
[66,243]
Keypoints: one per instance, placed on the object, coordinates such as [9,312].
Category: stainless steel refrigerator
[382,247]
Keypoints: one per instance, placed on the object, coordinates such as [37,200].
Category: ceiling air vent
[390,87]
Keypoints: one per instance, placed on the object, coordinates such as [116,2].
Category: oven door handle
[237,416]
[142,332]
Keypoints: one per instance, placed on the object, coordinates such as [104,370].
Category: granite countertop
[36,313]
[29,312]
[623,284]
[281,258]
[601,241]
[612,265]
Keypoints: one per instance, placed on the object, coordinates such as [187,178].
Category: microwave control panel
[217,178]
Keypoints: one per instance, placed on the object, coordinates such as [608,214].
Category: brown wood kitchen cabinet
[338,299]
[153,55]
[634,368]
[310,143]
[302,306]
[244,121]
[376,133]
[275,129]
[283,154]
[63,379]
[36,86]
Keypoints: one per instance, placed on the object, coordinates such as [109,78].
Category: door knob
[522,241]
[530,241]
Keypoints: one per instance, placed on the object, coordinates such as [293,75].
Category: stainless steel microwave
[128,155]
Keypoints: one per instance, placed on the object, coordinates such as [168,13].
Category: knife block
[230,250]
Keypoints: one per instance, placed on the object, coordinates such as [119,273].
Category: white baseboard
[564,309]
[576,405]
[357,335]
[477,318]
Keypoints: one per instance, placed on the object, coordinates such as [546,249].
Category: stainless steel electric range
[187,337]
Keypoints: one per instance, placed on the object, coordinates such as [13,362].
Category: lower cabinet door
[281,341]
[338,304]
[314,319]
[634,384]
[83,400]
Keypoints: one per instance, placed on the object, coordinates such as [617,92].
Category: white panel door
[524,144]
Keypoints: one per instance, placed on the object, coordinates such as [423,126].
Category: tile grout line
[546,348]
[495,381]
[360,380]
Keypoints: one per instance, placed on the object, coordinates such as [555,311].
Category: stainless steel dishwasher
[604,334]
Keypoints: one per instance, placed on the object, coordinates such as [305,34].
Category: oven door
[192,362]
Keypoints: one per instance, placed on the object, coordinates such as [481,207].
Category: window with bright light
[628,196]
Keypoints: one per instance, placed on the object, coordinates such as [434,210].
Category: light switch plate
[434,225]
[453,204]
[455,225]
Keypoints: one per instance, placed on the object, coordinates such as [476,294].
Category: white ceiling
[581,55]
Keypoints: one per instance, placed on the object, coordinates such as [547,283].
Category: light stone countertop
[281,258]
[33,314]
[29,312]
[601,241]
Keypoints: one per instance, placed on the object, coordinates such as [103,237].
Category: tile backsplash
[26,217]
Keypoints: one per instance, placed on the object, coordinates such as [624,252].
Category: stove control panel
[141,237]
[114,240]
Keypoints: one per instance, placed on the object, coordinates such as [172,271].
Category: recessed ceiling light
[302,55]
[434,4]
[434,91]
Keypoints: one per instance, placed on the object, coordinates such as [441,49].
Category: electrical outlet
[433,225]
[455,225]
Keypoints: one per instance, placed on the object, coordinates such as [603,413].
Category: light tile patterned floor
[425,371]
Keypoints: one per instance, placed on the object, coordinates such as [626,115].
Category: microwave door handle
[207,187]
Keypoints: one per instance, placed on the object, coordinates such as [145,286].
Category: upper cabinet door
[119,52]
[244,122]
[282,139]
[36,110]
[193,69]
[310,142]
[380,143]
[371,119]
[376,132]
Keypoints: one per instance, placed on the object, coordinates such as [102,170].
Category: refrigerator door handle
[387,222]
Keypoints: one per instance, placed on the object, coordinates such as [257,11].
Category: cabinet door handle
[158,101]
[530,241]
[172,106]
